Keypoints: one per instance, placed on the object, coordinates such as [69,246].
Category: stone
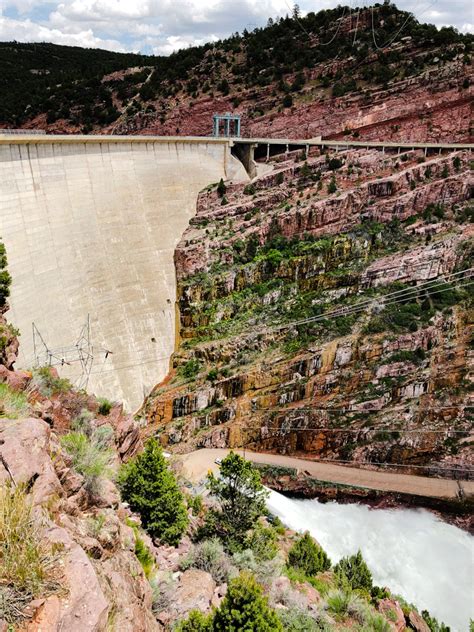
[25,454]
[195,590]
[387,606]
[417,622]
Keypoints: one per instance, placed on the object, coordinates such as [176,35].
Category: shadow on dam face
[90,225]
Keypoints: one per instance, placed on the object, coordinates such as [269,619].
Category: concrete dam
[90,225]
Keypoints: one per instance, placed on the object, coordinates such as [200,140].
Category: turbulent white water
[411,552]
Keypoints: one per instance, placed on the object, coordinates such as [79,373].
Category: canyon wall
[90,226]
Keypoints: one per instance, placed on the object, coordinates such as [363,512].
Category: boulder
[387,606]
[195,591]
[82,607]
[24,448]
[416,621]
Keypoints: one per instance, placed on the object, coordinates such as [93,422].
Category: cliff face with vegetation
[372,73]
[323,311]
[74,556]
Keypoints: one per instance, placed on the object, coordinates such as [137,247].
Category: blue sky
[161,26]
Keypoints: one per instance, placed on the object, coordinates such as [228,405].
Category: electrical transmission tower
[79,353]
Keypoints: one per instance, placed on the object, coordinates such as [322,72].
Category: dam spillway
[90,225]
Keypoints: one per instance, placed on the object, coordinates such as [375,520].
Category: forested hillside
[285,68]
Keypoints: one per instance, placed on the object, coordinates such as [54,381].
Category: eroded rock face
[385,230]
[195,590]
[25,457]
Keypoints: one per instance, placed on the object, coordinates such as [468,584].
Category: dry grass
[26,564]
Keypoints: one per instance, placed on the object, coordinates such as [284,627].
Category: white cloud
[161,26]
[28,31]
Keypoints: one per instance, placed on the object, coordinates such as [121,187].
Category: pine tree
[245,608]
[307,556]
[354,571]
[151,490]
[221,188]
[241,496]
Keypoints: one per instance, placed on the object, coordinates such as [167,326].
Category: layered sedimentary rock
[386,382]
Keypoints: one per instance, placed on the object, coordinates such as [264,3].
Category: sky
[161,26]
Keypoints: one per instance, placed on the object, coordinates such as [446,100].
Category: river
[410,551]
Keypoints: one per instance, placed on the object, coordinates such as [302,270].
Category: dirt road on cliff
[197,464]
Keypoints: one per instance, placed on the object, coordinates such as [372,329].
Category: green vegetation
[47,382]
[13,404]
[189,370]
[196,622]
[221,188]
[144,556]
[353,572]
[26,562]
[262,541]
[90,456]
[209,556]
[332,186]
[241,497]
[245,608]
[151,490]
[307,556]
[5,278]
[105,406]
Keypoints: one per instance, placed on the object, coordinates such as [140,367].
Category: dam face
[90,225]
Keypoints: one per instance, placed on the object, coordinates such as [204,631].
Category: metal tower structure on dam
[231,123]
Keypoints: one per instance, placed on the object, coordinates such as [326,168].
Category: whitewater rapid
[411,552]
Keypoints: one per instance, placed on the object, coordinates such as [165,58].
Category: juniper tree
[241,497]
[307,556]
[151,490]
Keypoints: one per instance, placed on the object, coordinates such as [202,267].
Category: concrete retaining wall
[90,226]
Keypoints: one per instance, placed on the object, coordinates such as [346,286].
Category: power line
[399,294]
[358,430]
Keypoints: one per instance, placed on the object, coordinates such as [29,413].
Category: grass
[89,458]
[13,404]
[48,384]
[26,565]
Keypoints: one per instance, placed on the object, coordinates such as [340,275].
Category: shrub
[245,608]
[189,370]
[89,458]
[457,163]
[353,571]
[26,564]
[263,542]
[105,406]
[150,488]
[265,571]
[308,556]
[195,504]
[196,622]
[5,278]
[249,189]
[287,101]
[334,164]
[48,384]
[83,422]
[163,593]
[338,602]
[212,375]
[279,178]
[332,186]
[296,619]
[241,497]
[210,556]
[144,556]
[13,404]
